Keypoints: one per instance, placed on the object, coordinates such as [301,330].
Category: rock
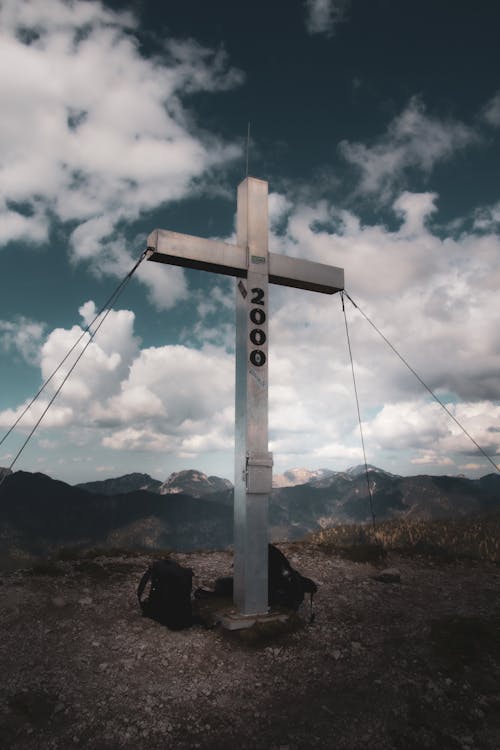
[58,601]
[389,575]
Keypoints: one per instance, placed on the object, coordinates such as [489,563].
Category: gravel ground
[389,666]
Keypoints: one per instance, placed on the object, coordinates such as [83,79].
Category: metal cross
[254,266]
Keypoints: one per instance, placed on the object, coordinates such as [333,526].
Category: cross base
[233,620]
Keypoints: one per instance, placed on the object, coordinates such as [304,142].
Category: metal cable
[109,302]
[436,398]
[109,305]
[370,494]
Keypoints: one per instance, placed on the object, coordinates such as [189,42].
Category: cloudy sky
[376,124]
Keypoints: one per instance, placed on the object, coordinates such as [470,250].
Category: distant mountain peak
[356,471]
[188,482]
[294,477]
[193,475]
[122,485]
[193,482]
[324,477]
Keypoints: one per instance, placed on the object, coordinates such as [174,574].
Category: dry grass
[70,554]
[465,538]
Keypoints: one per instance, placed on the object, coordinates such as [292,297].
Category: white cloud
[164,399]
[279,207]
[435,299]
[323,15]
[431,436]
[487,218]
[29,16]
[415,140]
[471,467]
[104,364]
[341,454]
[491,112]
[57,415]
[112,137]
[193,384]
[212,441]
[480,419]
[180,399]
[15,225]
[22,335]
[412,424]
[415,209]
[433,458]
[143,439]
[136,402]
[166,284]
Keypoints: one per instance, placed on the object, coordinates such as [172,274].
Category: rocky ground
[389,666]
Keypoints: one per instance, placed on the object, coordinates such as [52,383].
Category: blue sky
[377,126]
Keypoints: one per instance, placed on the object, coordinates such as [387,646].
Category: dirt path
[399,666]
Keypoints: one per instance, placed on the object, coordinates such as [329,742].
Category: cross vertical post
[253,462]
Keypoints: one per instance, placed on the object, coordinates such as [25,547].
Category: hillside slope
[39,514]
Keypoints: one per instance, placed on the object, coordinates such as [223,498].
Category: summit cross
[254,268]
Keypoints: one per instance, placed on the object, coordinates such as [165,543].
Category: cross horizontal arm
[305,274]
[231,260]
[197,252]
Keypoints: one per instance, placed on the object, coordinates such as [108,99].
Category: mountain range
[189,482]
[191,510]
[39,515]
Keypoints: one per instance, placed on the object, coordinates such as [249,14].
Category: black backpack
[286,586]
[169,600]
